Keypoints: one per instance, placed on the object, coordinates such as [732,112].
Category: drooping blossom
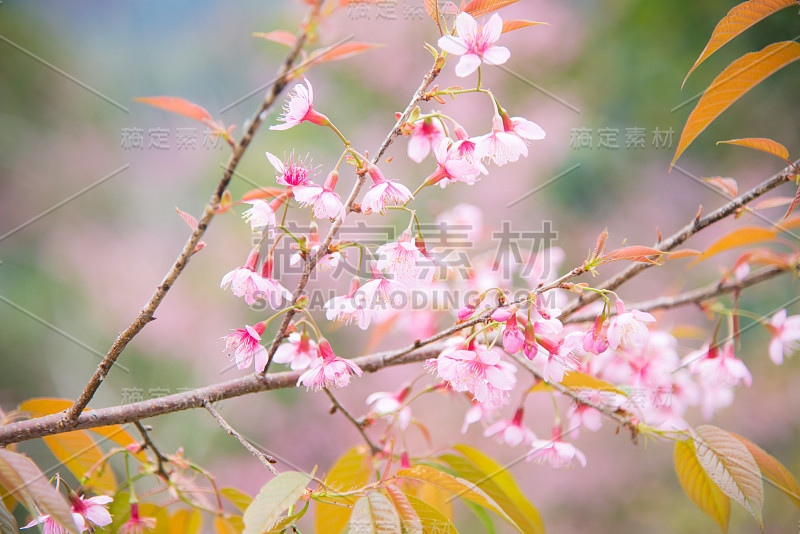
[300,108]
[245,343]
[785,334]
[244,281]
[452,166]
[386,403]
[513,338]
[555,452]
[595,340]
[137,524]
[383,193]
[87,513]
[299,351]
[475,44]
[507,140]
[270,289]
[328,370]
[718,366]
[400,258]
[261,216]
[480,411]
[628,328]
[324,201]
[292,172]
[511,431]
[582,415]
[350,308]
[426,135]
[381,293]
[480,372]
[558,356]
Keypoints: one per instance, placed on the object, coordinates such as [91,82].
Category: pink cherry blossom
[300,108]
[270,289]
[426,135]
[467,217]
[511,431]
[480,372]
[261,216]
[452,165]
[715,366]
[326,262]
[475,44]
[381,293]
[558,357]
[350,308]
[513,337]
[292,172]
[480,411]
[244,281]
[383,193]
[87,513]
[50,526]
[391,404]
[400,258]
[245,343]
[507,140]
[299,351]
[328,370]
[595,340]
[137,524]
[555,452]
[325,202]
[785,334]
[628,328]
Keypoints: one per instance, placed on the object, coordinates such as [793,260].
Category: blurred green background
[72,277]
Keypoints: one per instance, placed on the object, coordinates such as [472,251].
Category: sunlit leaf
[224,525]
[726,185]
[411,522]
[183,107]
[578,380]
[186,521]
[275,497]
[738,19]
[351,471]
[437,497]
[729,464]
[238,498]
[761,143]
[26,478]
[374,513]
[511,25]
[433,521]
[749,235]
[634,253]
[280,526]
[788,223]
[773,469]
[683,253]
[341,51]
[699,487]
[738,78]
[160,514]
[774,202]
[478,8]
[278,36]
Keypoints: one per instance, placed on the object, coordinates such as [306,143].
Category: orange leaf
[634,253]
[685,253]
[188,219]
[775,202]
[262,192]
[788,223]
[737,78]
[342,51]
[478,8]
[735,22]
[726,185]
[738,238]
[763,144]
[511,25]
[772,469]
[794,204]
[432,7]
[181,107]
[278,36]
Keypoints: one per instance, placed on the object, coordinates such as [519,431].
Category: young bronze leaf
[274,498]
[793,205]
[774,202]
[478,8]
[374,513]
[351,471]
[730,465]
[737,78]
[411,522]
[342,51]
[262,192]
[511,25]
[278,36]
[761,143]
[748,235]
[634,253]
[433,521]
[699,487]
[788,223]
[432,8]
[773,469]
[726,185]
[738,19]
[36,484]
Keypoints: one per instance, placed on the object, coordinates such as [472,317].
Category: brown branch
[146,313]
[695,296]
[359,426]
[265,459]
[160,458]
[683,234]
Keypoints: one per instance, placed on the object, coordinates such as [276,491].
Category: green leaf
[483,517]
[374,513]
[274,498]
[284,522]
[731,466]
[773,469]
[433,521]
[698,485]
[501,476]
[351,471]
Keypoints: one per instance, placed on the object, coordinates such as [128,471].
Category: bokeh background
[74,276]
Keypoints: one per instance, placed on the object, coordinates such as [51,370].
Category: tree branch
[683,234]
[260,456]
[338,406]
[146,313]
[160,458]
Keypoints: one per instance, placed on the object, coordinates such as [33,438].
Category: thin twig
[160,458]
[146,313]
[338,406]
[265,459]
